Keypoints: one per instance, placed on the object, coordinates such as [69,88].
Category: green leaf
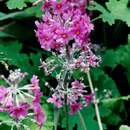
[4,116]
[77,74]
[120,56]
[2,14]
[106,16]
[29,12]
[114,6]
[109,109]
[14,4]
[116,109]
[6,121]
[17,4]
[11,53]
[88,115]
[124,127]
[102,81]
[49,124]
[11,15]
[112,12]
[5,35]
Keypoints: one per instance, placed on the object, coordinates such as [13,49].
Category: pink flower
[5,97]
[63,21]
[75,107]
[55,101]
[2,109]
[46,6]
[79,4]
[64,36]
[88,98]
[18,101]
[19,112]
[93,60]
[38,112]
[35,84]
[81,28]
[39,116]
[35,81]
[77,85]
[59,6]
[3,92]
[37,98]
[45,38]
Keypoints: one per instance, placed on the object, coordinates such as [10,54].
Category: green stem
[82,121]
[56,117]
[99,17]
[95,102]
[65,85]
[18,127]
[66,113]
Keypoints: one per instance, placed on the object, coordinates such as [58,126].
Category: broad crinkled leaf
[116,10]
[106,16]
[18,4]
[13,4]
[11,53]
[120,56]
[88,116]
[102,81]
[119,10]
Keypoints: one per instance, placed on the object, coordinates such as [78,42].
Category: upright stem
[56,117]
[66,79]
[65,84]
[66,113]
[95,102]
[82,121]
[18,127]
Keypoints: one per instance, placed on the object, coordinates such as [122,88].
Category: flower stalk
[82,121]
[95,101]
[65,85]
[18,127]
[66,113]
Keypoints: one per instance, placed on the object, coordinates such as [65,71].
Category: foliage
[14,4]
[124,127]
[112,12]
[16,36]
[89,119]
[121,56]
[12,51]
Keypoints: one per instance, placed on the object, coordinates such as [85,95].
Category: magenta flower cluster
[77,97]
[17,100]
[64,21]
[65,30]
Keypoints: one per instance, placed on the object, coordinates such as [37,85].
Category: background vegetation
[19,49]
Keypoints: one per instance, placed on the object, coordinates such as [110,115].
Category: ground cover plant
[64,64]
